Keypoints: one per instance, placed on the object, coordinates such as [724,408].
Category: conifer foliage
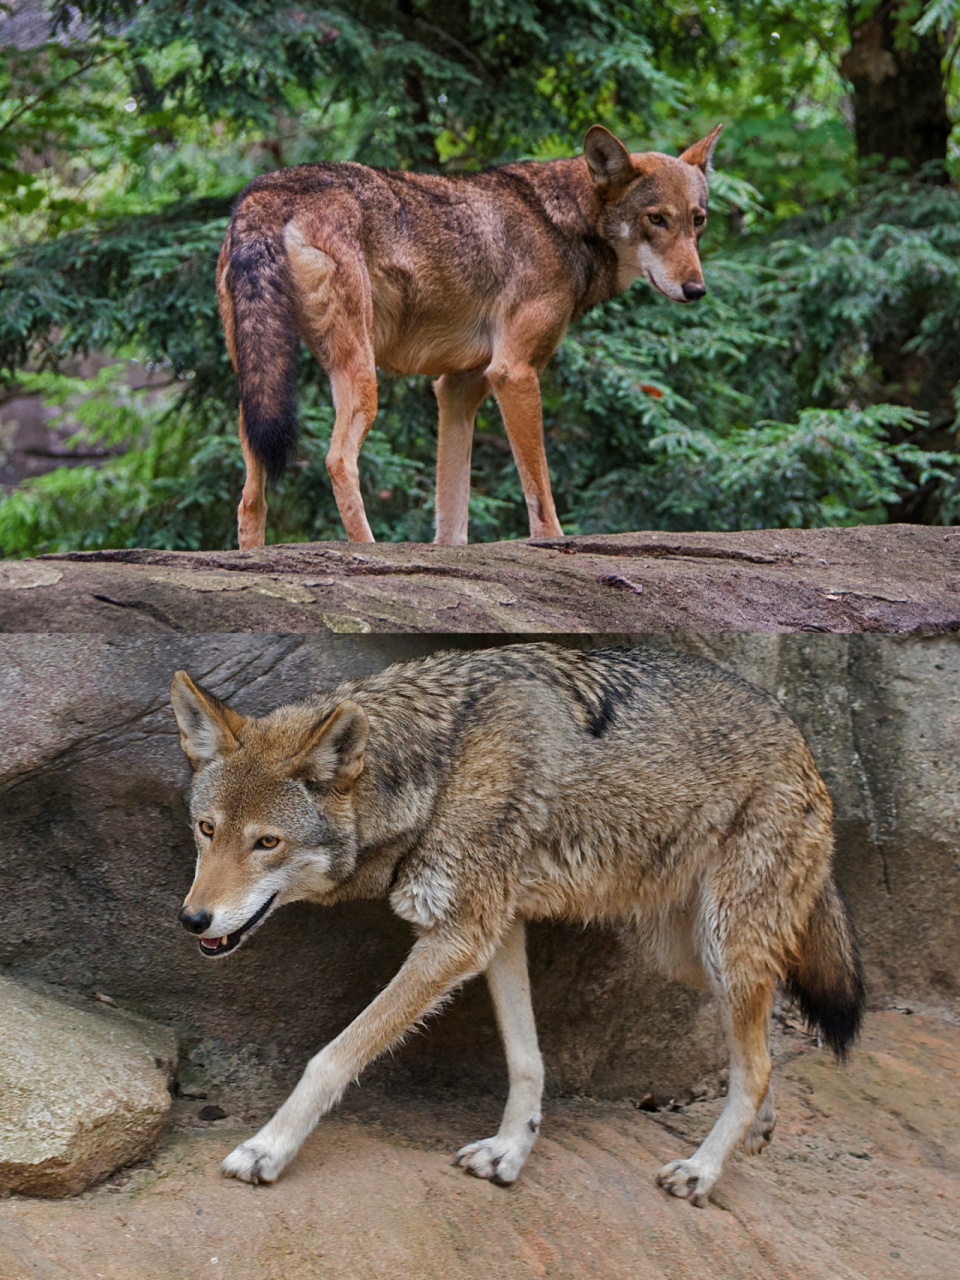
[816,384]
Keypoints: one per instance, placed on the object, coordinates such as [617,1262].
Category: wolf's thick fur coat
[478,791]
[472,279]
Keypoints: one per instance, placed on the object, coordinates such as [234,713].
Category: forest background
[817,384]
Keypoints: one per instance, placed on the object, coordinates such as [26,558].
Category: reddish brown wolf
[471,279]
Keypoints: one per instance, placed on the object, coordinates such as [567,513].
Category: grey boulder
[82,1092]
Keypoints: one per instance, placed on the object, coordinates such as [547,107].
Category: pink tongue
[210,944]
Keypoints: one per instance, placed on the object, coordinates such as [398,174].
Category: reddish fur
[471,280]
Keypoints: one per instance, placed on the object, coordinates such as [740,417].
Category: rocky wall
[96,855]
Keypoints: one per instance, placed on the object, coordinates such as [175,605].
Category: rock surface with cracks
[901,578]
[91,798]
[82,1092]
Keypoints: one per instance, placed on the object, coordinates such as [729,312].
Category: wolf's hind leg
[502,1157]
[335,311]
[354,386]
[745,1010]
[760,1133]
[434,967]
[459,396]
[252,511]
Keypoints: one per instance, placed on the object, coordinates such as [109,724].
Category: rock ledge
[871,578]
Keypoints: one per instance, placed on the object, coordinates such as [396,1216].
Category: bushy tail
[827,979]
[266,340]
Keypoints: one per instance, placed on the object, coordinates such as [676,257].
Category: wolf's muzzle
[220,946]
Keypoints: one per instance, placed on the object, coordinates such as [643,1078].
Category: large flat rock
[82,1092]
[871,578]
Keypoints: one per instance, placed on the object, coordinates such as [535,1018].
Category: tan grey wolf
[478,791]
[472,279]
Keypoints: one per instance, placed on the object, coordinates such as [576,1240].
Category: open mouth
[221,946]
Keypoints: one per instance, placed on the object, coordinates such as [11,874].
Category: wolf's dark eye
[267,842]
[699,219]
[657,219]
[206,828]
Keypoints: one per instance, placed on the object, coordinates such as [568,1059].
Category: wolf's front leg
[434,967]
[517,388]
[502,1157]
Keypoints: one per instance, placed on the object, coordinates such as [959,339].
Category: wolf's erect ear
[208,728]
[608,160]
[701,153]
[332,750]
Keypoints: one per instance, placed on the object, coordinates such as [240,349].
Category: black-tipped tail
[827,980]
[266,342]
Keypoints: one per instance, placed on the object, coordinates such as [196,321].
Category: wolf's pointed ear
[208,728]
[332,750]
[608,160]
[701,153]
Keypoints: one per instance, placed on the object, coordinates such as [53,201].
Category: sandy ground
[862,1180]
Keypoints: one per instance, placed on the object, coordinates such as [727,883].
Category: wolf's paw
[760,1132]
[499,1159]
[688,1180]
[253,1161]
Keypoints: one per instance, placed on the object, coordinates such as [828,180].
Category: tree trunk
[899,102]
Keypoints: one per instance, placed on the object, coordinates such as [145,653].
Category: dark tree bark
[899,102]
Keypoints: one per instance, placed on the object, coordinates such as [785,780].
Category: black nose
[693,290]
[194,921]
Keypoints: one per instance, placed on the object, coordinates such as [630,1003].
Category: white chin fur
[647,261]
[227,922]
[672,292]
[675,295]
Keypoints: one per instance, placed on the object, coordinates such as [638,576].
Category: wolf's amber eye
[206,828]
[657,219]
[698,219]
[267,842]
